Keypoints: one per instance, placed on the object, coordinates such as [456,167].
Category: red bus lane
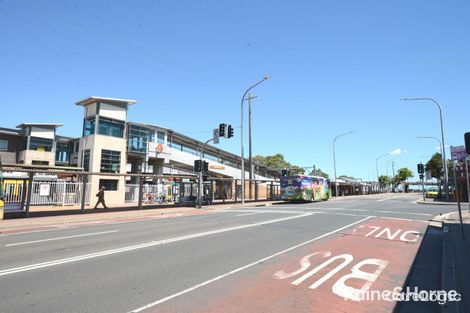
[343,272]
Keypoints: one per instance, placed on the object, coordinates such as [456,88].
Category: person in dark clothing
[224,195]
[100,196]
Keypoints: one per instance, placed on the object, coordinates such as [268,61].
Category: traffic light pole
[422,185]
[199,189]
[421,177]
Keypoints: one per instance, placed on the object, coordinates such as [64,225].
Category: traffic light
[197,166]
[284,173]
[204,177]
[222,130]
[205,168]
[467,142]
[420,168]
[230,131]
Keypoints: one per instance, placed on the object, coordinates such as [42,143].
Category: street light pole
[241,134]
[446,174]
[334,159]
[250,97]
[386,168]
[377,166]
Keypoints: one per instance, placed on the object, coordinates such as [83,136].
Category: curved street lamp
[377,166]
[446,174]
[334,159]
[242,147]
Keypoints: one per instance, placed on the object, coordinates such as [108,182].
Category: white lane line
[364,215]
[246,214]
[398,212]
[60,238]
[372,211]
[241,268]
[388,198]
[141,246]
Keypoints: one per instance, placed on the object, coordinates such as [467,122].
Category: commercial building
[111,144]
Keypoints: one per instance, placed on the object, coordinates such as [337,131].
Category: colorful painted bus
[305,188]
[1,191]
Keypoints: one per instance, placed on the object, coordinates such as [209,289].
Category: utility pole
[242,154]
[249,142]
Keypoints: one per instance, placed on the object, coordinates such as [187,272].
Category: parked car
[432,192]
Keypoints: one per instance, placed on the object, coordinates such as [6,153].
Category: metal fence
[46,193]
[216,189]
[132,191]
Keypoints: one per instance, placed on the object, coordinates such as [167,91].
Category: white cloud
[397,151]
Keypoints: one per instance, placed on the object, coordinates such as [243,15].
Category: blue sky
[335,66]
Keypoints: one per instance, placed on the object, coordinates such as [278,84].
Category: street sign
[467,142]
[216,136]
[458,153]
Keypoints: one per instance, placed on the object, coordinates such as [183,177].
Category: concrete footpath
[57,220]
[442,264]
[432,202]
[456,260]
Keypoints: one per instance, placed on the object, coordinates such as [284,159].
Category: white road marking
[388,198]
[372,211]
[147,306]
[141,246]
[246,214]
[410,213]
[60,238]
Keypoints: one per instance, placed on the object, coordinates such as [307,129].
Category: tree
[402,175]
[319,172]
[277,162]
[434,166]
[383,181]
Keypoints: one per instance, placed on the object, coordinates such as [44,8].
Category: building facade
[111,144]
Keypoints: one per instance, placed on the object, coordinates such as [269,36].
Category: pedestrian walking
[208,197]
[224,195]
[100,196]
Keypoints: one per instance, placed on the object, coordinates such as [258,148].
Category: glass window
[75,147]
[109,184]
[110,161]
[161,137]
[3,145]
[111,128]
[62,152]
[189,150]
[40,144]
[211,157]
[89,127]
[138,138]
[177,146]
[86,160]
[36,162]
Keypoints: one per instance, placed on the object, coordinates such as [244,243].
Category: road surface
[312,257]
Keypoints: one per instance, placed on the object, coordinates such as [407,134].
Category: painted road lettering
[329,275]
[388,233]
[340,287]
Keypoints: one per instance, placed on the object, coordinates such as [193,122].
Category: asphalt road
[178,264]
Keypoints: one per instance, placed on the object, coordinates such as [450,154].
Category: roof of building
[22,125]
[93,99]
[10,131]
